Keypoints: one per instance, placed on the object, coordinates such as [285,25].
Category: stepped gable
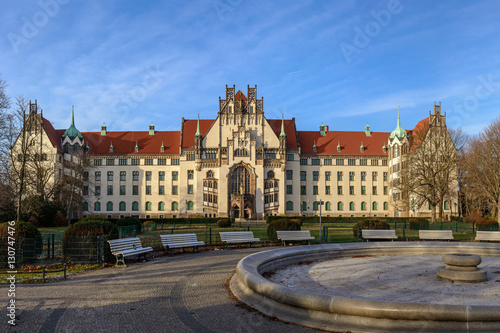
[350,143]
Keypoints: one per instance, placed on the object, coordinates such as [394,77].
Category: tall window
[327,189]
[148,189]
[351,205]
[161,175]
[123,206]
[340,206]
[363,190]
[190,189]
[289,174]
[109,206]
[240,181]
[340,190]
[386,205]
[148,205]
[328,206]
[374,176]
[304,206]
[190,205]
[148,175]
[174,190]
[327,175]
[175,175]
[135,206]
[351,176]
[110,175]
[122,190]
[123,175]
[97,206]
[363,205]
[175,206]
[315,206]
[315,176]
[289,205]
[374,206]
[135,175]
[303,176]
[98,176]
[315,189]
[363,175]
[190,174]
[339,176]
[161,205]
[161,189]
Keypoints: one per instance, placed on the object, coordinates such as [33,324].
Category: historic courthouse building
[239,164]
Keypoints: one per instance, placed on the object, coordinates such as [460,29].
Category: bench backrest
[435,234]
[299,233]
[117,245]
[178,238]
[378,233]
[488,235]
[229,235]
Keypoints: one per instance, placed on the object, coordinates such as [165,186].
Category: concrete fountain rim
[334,312]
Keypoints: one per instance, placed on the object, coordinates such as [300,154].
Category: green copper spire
[282,134]
[72,132]
[314,146]
[136,148]
[198,133]
[399,131]
[111,148]
[162,148]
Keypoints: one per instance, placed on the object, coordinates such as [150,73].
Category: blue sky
[343,63]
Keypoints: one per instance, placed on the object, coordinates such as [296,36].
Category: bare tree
[5,118]
[482,166]
[429,169]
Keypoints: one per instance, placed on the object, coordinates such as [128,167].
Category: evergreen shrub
[369,224]
[82,241]
[283,224]
[27,237]
[224,223]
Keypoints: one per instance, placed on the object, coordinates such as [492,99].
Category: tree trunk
[433,213]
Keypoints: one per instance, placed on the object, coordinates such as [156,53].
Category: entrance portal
[241,191]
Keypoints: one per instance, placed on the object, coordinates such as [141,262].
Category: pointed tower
[282,138]
[72,139]
[399,132]
[197,139]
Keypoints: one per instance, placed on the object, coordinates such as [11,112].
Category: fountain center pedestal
[461,268]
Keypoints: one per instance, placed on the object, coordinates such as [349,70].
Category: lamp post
[321,203]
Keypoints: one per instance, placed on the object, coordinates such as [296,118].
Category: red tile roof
[350,143]
[291,137]
[53,134]
[418,133]
[240,95]
[189,130]
[124,142]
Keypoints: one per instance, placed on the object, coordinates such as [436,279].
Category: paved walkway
[182,293]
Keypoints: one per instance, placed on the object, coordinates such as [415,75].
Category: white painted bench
[180,241]
[233,237]
[294,235]
[126,247]
[488,236]
[378,234]
[435,234]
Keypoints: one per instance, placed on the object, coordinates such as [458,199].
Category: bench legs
[120,259]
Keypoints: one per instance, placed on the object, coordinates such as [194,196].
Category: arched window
[363,205]
[210,174]
[161,205]
[374,206]
[174,206]
[190,205]
[135,206]
[109,206]
[148,205]
[315,205]
[446,205]
[289,205]
[270,174]
[386,205]
[122,206]
[304,206]
[85,206]
[328,206]
[205,184]
[240,181]
[340,205]
[97,206]
[351,205]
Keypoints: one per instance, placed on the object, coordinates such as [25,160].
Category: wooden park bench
[294,235]
[488,236]
[435,234]
[233,237]
[126,247]
[171,242]
[378,234]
